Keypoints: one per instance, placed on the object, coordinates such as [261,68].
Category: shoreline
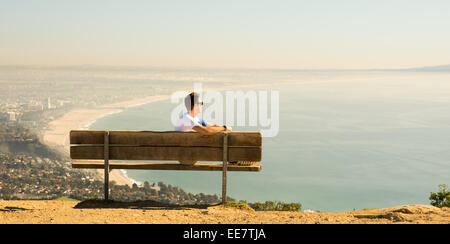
[56,135]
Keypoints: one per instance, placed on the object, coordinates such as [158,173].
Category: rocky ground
[58,211]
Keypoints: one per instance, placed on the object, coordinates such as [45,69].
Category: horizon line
[421,68]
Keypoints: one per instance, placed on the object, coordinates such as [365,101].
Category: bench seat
[100,164]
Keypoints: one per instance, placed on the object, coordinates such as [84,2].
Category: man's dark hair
[191,99]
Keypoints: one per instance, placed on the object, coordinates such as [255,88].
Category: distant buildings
[4,117]
[33,106]
[49,103]
[12,116]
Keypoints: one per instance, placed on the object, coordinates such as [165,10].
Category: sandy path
[57,211]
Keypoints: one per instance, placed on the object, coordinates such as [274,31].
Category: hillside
[58,211]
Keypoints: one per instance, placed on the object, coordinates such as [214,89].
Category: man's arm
[210,130]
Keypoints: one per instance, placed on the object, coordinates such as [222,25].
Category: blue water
[345,142]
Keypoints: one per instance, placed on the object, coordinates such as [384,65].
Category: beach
[57,134]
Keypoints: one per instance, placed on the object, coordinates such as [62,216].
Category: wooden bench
[96,149]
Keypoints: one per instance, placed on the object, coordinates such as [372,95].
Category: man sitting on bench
[190,122]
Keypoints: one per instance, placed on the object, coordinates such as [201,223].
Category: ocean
[347,140]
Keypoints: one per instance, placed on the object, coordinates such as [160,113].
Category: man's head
[193,103]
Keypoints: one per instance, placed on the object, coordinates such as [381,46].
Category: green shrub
[92,199]
[66,199]
[441,198]
[276,206]
[236,204]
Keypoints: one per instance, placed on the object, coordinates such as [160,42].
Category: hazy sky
[244,34]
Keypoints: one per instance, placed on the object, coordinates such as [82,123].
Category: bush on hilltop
[441,198]
[276,206]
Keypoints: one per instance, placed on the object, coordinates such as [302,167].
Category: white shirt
[187,122]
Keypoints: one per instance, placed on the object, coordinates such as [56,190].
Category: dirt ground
[73,212]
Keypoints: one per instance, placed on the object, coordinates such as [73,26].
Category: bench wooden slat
[166,153]
[164,138]
[93,164]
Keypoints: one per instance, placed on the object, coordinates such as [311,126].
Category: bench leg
[224,169]
[224,184]
[106,183]
[106,158]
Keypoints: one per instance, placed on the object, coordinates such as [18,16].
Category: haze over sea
[347,139]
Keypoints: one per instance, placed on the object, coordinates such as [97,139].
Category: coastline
[56,135]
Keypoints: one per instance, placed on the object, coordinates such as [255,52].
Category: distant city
[31,97]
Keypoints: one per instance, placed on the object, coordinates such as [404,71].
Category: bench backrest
[170,145]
